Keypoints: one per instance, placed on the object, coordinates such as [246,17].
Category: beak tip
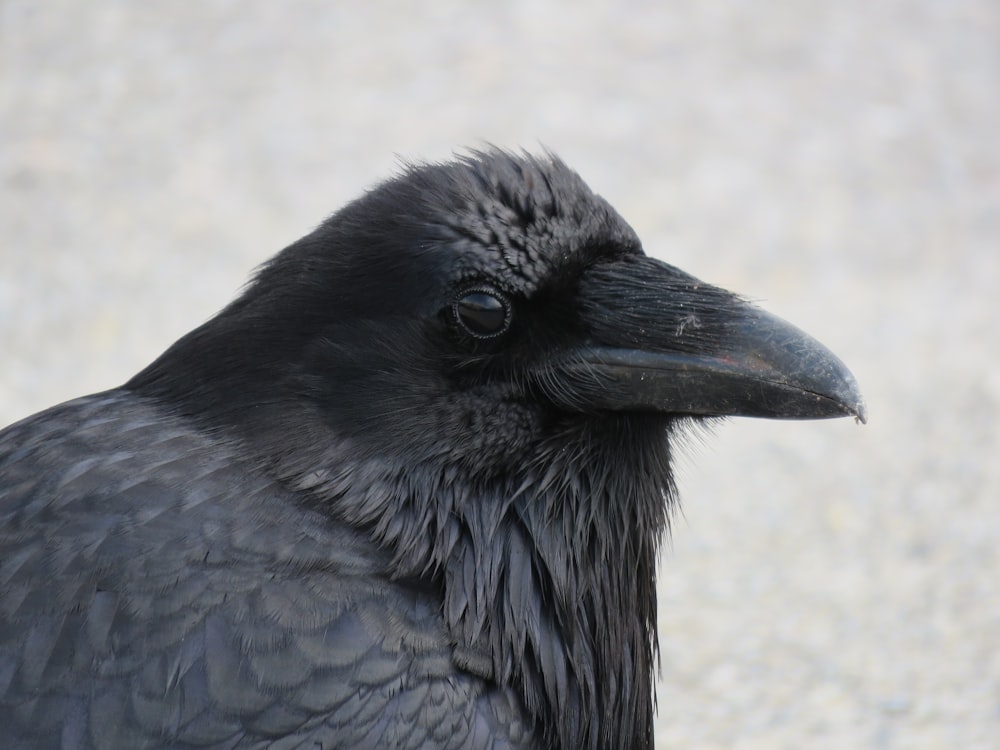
[849,394]
[860,412]
[842,388]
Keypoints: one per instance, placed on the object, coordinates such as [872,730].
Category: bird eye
[482,312]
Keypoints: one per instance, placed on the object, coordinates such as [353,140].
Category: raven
[405,491]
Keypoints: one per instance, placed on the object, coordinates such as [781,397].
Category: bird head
[457,302]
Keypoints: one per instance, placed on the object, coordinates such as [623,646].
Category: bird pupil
[481,313]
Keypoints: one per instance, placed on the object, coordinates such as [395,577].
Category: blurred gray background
[827,585]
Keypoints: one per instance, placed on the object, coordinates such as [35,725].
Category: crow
[406,491]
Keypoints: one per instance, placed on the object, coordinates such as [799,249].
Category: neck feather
[547,573]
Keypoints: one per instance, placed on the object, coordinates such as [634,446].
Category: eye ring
[482,312]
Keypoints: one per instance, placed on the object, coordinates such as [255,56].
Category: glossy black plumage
[398,494]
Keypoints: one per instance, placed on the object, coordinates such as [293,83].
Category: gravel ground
[828,585]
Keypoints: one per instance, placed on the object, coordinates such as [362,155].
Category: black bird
[406,491]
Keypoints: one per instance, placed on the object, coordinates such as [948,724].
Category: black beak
[663,341]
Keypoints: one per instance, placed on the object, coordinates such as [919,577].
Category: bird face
[483,296]
[461,308]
